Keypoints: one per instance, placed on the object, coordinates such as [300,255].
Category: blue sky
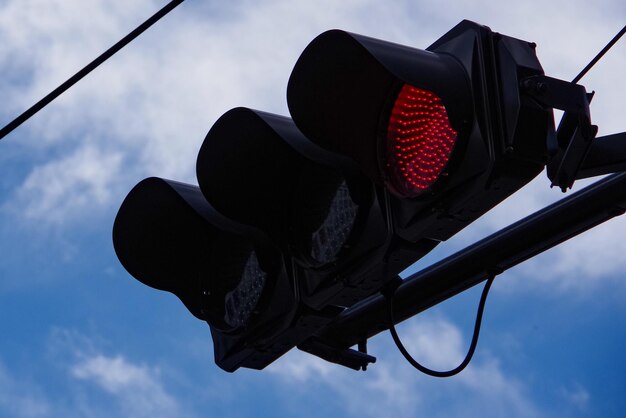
[80,338]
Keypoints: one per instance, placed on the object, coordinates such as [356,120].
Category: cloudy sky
[80,338]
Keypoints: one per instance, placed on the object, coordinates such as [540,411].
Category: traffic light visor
[166,237]
[397,111]
[309,208]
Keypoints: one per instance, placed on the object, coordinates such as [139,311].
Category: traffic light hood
[343,87]
[165,235]
[258,169]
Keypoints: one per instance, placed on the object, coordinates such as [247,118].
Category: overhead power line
[600,55]
[87,69]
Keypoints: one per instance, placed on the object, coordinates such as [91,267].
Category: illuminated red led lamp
[420,141]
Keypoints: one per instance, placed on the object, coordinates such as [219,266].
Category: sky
[79,337]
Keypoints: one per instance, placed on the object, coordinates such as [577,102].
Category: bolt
[532,85]
[541,88]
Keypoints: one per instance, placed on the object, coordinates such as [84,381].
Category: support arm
[527,238]
[607,155]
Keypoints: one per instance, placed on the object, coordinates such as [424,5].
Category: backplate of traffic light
[391,150]
[446,129]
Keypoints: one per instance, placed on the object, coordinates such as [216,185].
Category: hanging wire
[481,306]
[89,68]
[473,344]
[600,55]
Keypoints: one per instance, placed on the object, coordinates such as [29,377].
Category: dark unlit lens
[241,302]
[328,240]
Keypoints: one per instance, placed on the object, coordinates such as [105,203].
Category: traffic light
[327,218]
[447,130]
[258,169]
[391,150]
[168,237]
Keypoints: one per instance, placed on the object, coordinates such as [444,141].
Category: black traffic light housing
[258,169]
[343,90]
[391,150]
[168,237]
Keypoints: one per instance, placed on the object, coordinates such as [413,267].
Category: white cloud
[73,186]
[154,102]
[147,110]
[497,394]
[582,263]
[137,388]
[20,399]
[436,343]
[585,262]
[102,384]
[302,368]
[391,387]
[577,395]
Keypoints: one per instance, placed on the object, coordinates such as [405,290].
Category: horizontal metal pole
[520,241]
[607,155]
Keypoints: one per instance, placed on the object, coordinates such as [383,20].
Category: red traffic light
[391,150]
[345,87]
[446,129]
[419,142]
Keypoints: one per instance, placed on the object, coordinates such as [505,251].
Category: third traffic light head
[446,130]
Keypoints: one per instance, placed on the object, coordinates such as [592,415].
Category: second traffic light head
[258,169]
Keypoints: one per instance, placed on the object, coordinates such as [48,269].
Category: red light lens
[420,140]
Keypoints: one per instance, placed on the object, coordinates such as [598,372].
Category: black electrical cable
[470,352]
[600,55]
[389,294]
[89,68]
